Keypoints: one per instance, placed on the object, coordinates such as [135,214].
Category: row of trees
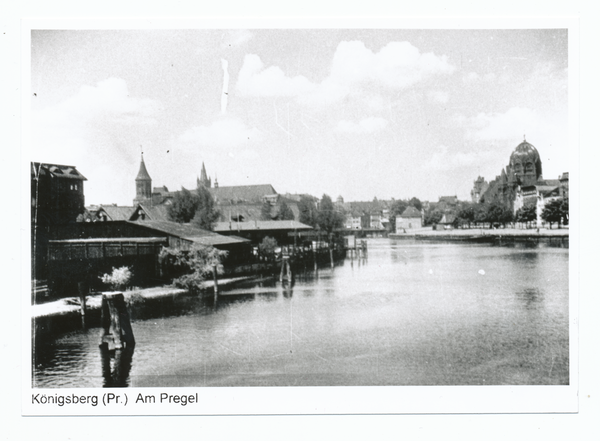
[197,207]
[495,213]
[284,212]
[324,217]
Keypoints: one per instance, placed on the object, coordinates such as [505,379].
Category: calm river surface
[415,313]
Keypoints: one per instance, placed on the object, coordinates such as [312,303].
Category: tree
[285,212]
[184,206]
[526,214]
[206,213]
[195,264]
[396,209]
[416,203]
[433,217]
[480,213]
[328,218]
[498,213]
[308,211]
[554,211]
[466,215]
[267,247]
[265,211]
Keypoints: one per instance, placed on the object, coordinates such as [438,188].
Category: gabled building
[410,218]
[56,199]
[237,203]
[113,212]
[146,213]
[56,193]
[447,221]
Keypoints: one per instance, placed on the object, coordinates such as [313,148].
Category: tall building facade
[521,182]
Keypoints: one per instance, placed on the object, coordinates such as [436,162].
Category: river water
[413,313]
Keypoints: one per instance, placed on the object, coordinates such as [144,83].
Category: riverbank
[71,305]
[479,234]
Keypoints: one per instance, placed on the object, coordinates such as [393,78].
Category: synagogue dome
[525,162]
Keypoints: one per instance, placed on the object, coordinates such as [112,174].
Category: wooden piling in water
[216,283]
[116,327]
[286,269]
[83,291]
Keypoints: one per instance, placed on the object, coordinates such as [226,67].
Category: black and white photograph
[296,209]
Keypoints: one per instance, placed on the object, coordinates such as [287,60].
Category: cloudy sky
[356,113]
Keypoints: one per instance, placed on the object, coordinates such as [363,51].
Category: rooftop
[242,193]
[190,232]
[261,225]
[56,171]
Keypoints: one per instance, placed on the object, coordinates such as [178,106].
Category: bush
[118,279]
[196,263]
[267,247]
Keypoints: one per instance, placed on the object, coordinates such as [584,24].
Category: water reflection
[116,365]
[287,288]
[416,314]
[531,297]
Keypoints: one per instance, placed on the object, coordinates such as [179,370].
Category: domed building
[526,164]
[521,182]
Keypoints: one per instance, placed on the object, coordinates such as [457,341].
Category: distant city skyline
[350,112]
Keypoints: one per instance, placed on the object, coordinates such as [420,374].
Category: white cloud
[368,125]
[255,80]
[396,66]
[228,132]
[510,125]
[109,99]
[89,120]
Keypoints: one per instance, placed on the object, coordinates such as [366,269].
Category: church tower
[204,179]
[143,185]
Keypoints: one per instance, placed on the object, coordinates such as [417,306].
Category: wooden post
[118,374]
[116,327]
[216,283]
[286,269]
[82,299]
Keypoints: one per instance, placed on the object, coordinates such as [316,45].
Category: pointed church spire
[204,180]
[143,184]
[143,173]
